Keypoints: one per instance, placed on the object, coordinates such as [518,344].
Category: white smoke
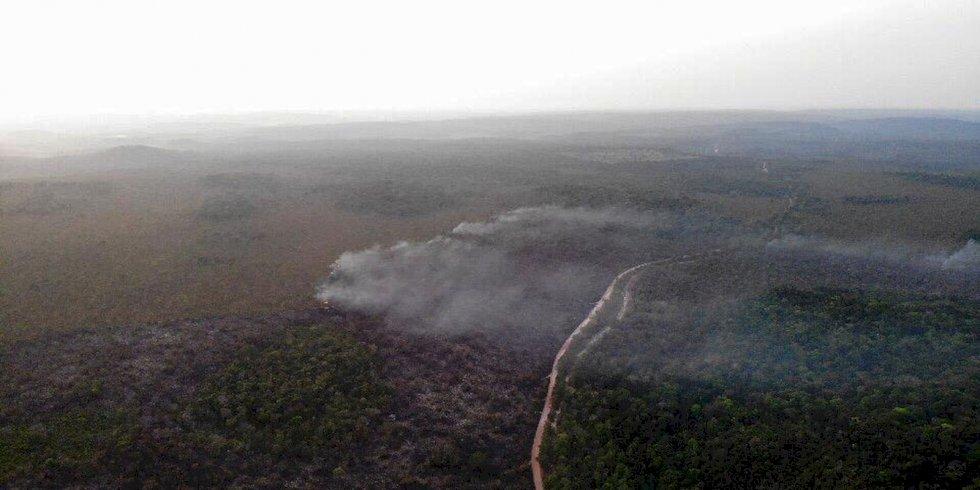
[530,269]
[966,258]
[537,270]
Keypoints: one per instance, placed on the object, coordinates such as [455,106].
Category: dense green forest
[309,396]
[795,388]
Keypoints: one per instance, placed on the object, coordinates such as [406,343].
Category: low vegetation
[391,199]
[161,234]
[971,182]
[310,398]
[871,200]
[313,396]
[306,397]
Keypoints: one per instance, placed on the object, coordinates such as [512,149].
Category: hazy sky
[134,57]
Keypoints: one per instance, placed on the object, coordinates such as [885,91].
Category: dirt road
[616,293]
[614,290]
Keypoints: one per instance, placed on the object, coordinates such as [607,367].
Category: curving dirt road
[618,291]
[589,322]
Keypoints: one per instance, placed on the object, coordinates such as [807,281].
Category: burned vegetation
[311,398]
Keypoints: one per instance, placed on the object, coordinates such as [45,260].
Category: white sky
[151,57]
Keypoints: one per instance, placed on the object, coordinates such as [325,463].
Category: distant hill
[890,128]
[917,143]
[135,153]
[912,128]
[120,158]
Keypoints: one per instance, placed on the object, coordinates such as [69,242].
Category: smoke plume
[537,270]
[532,269]
[825,262]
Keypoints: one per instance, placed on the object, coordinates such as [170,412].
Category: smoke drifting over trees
[531,268]
[535,269]
[965,259]
[809,261]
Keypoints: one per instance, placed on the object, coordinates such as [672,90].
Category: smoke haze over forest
[531,268]
[437,244]
[527,268]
